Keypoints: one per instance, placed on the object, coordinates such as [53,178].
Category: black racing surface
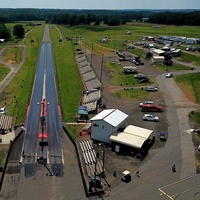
[53,119]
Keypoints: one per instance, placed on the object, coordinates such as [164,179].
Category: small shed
[158,52]
[104,124]
[158,59]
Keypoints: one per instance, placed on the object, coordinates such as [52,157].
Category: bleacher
[88,76]
[5,123]
[93,165]
[90,81]
[85,69]
[94,83]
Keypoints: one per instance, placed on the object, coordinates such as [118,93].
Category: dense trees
[4,32]
[176,18]
[109,17]
[18,31]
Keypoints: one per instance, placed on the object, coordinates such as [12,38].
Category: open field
[68,79]
[17,94]
[89,37]
[3,71]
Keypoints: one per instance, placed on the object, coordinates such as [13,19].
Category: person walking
[173,168]
[137,173]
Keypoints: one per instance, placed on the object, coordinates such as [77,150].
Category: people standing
[173,168]
[137,173]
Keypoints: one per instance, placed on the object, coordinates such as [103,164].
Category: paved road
[156,175]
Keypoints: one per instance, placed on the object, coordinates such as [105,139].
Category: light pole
[102,59]
[92,53]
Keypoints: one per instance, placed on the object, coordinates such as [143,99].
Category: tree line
[109,17]
[95,17]
[176,18]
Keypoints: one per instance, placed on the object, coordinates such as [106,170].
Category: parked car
[149,117]
[137,76]
[137,58]
[145,102]
[168,62]
[163,136]
[143,80]
[151,108]
[169,75]
[188,48]
[151,88]
[134,61]
[3,110]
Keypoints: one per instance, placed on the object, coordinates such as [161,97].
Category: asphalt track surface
[44,87]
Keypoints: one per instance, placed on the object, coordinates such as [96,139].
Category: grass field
[3,71]
[69,82]
[68,79]
[190,84]
[18,92]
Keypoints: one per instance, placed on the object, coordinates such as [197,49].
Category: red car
[151,108]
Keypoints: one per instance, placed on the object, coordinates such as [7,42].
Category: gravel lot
[114,162]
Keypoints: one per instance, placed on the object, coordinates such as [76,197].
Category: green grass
[189,58]
[13,55]
[1,157]
[173,68]
[134,93]
[3,71]
[68,78]
[18,92]
[74,130]
[193,81]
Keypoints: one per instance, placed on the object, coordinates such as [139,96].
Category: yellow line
[165,194]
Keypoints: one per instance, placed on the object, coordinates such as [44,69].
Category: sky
[102,4]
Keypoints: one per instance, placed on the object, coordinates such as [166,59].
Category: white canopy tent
[132,136]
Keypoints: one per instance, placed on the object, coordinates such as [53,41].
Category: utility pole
[102,60]
[92,53]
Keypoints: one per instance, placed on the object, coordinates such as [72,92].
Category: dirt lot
[119,163]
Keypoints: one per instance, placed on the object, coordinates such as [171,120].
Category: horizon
[102,5]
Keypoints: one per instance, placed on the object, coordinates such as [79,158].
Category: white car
[139,75]
[149,117]
[151,89]
[145,102]
[169,75]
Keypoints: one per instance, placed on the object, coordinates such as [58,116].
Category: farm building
[104,124]
[132,136]
[158,52]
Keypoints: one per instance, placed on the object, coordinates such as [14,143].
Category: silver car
[151,89]
[149,117]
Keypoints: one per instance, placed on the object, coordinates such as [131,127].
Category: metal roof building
[104,124]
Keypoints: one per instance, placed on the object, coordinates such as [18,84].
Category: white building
[104,124]
[158,52]
[158,59]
